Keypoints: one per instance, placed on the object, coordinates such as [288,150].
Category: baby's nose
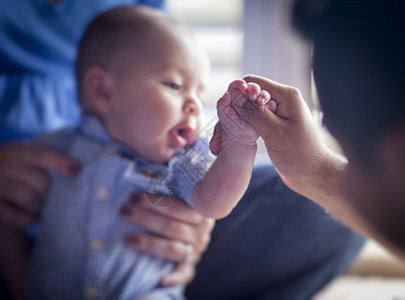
[191,107]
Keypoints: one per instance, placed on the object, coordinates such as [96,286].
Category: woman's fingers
[238,84]
[177,210]
[276,89]
[253,90]
[21,195]
[183,273]
[179,234]
[177,223]
[15,217]
[47,159]
[172,250]
[39,157]
[23,182]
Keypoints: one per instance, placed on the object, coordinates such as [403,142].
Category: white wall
[271,48]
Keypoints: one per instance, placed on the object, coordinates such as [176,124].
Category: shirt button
[91,292]
[96,244]
[102,192]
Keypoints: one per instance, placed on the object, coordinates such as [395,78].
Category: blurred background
[247,37]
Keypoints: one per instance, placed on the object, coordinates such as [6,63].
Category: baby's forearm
[226,181]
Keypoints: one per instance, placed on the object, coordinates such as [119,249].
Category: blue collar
[94,129]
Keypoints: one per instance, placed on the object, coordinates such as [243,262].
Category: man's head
[359,68]
[142,73]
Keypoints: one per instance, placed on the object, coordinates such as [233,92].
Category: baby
[141,75]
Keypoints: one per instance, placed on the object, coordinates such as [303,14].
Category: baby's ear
[97,84]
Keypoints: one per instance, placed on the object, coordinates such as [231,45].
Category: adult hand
[23,182]
[292,138]
[181,234]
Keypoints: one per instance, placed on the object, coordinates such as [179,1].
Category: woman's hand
[23,182]
[181,234]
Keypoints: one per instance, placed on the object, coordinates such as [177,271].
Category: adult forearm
[332,196]
[324,185]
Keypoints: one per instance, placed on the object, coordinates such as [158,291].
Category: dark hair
[359,48]
[109,31]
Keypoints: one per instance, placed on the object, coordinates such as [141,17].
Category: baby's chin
[162,157]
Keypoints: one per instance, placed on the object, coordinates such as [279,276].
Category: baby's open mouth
[182,135]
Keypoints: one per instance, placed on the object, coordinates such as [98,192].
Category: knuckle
[27,198]
[174,250]
[196,218]
[248,77]
[207,225]
[146,243]
[174,228]
[294,92]
[201,241]
[141,242]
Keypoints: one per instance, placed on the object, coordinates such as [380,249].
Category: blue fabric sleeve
[37,54]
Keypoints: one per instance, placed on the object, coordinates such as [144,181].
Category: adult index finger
[290,103]
[277,90]
[47,159]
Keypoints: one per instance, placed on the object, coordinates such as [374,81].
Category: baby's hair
[112,30]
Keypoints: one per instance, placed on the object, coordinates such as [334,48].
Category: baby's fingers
[263,97]
[224,102]
[253,90]
[271,105]
[238,84]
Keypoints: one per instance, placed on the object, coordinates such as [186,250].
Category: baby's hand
[233,124]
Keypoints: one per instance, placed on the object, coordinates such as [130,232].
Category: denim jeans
[276,244]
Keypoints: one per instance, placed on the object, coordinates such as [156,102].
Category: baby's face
[157,97]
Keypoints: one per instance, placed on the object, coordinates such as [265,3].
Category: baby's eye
[172,85]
